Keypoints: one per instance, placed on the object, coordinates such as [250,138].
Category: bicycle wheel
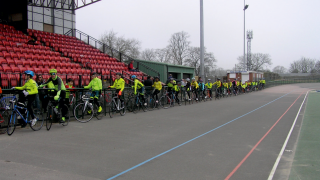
[83,113]
[143,107]
[122,109]
[67,116]
[129,105]
[39,116]
[151,104]
[111,109]
[49,118]
[11,125]
[135,107]
[97,114]
[4,117]
[165,102]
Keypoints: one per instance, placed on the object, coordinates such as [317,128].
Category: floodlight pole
[244,32]
[201,42]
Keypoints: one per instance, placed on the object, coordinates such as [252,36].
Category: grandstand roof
[62,4]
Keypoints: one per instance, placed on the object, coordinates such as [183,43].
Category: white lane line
[285,142]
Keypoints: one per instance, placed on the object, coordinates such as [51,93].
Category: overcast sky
[285,29]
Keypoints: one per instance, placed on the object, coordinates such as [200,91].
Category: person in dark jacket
[148,84]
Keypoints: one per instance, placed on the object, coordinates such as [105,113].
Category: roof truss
[61,4]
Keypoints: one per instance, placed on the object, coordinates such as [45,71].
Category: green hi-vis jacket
[137,85]
[118,84]
[30,86]
[95,84]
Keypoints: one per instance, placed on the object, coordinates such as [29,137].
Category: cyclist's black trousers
[176,96]
[122,95]
[30,99]
[155,93]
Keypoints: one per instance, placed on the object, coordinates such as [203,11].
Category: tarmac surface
[232,138]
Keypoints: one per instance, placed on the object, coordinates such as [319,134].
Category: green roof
[168,64]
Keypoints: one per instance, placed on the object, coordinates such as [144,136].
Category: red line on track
[255,146]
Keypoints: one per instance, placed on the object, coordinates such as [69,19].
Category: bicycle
[217,94]
[85,110]
[51,112]
[4,112]
[116,106]
[136,103]
[165,100]
[12,122]
[208,94]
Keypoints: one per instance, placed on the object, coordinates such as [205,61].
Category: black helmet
[118,74]
[156,77]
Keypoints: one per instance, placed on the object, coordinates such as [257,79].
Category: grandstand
[33,47]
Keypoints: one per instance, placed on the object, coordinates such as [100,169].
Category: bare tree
[148,55]
[279,70]
[304,65]
[179,45]
[130,47]
[193,60]
[164,55]
[259,62]
[317,67]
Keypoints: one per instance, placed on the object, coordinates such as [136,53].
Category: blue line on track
[144,162]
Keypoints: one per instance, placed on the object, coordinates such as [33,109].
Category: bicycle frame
[15,110]
[3,101]
[117,104]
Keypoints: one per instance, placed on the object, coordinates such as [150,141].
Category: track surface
[103,149]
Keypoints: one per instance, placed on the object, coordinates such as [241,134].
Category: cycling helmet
[31,73]
[188,79]
[193,78]
[53,71]
[201,80]
[93,73]
[70,80]
[133,76]
[118,74]
[171,79]
[209,79]
[156,77]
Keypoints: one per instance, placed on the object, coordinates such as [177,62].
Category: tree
[148,55]
[130,47]
[258,62]
[179,45]
[279,70]
[193,60]
[164,55]
[304,65]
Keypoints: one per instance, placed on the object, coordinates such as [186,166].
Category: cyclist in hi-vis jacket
[30,89]
[61,92]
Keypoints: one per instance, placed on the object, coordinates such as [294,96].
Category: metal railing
[107,49]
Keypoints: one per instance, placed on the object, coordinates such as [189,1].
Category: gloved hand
[13,87]
[56,98]
[26,93]
[41,86]
[109,87]
[120,93]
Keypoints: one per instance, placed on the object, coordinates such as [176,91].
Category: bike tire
[81,114]
[123,110]
[11,124]
[67,117]
[164,102]
[111,110]
[5,118]
[143,107]
[97,114]
[151,104]
[49,118]
[129,105]
[39,116]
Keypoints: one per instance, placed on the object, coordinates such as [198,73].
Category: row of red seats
[58,46]
[14,56]
[30,56]
[28,51]
[41,37]
[21,63]
[30,46]
[69,52]
[13,39]
[32,32]
[49,42]
[14,35]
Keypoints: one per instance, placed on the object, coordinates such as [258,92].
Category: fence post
[88,40]
[120,56]
[80,80]
[20,83]
[110,78]
[1,80]
[104,48]
[138,65]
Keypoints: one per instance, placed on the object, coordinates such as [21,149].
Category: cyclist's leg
[31,98]
[176,97]
[64,109]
